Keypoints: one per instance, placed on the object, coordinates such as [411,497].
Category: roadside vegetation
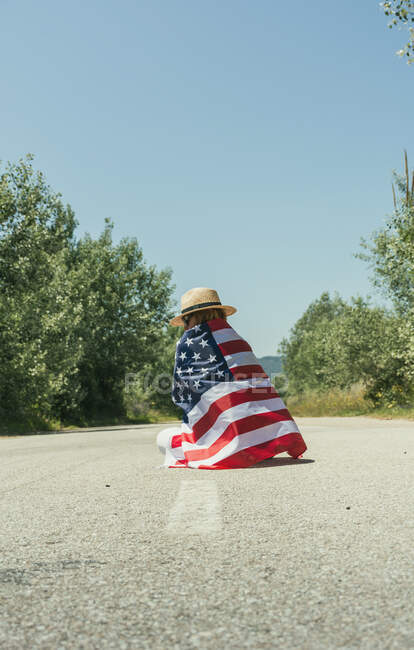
[344,403]
[76,316]
[85,341]
[346,358]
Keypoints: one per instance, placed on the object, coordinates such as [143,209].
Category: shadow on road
[279,462]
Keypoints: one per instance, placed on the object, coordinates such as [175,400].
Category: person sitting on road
[232,415]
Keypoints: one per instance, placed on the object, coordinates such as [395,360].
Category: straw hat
[199,299]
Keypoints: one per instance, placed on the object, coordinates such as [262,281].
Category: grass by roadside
[35,424]
[395,412]
[343,403]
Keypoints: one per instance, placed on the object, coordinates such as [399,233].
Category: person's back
[233,416]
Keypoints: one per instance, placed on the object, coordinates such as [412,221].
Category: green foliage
[401,13]
[336,345]
[279,381]
[390,252]
[150,387]
[75,316]
[124,304]
[306,358]
[39,353]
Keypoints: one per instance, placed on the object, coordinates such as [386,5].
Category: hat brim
[177,321]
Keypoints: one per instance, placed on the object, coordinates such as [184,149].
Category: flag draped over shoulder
[233,416]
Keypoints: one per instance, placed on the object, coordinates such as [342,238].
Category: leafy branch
[401,13]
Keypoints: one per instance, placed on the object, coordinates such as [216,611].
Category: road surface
[102,549]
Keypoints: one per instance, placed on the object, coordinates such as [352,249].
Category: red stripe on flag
[218,324]
[179,463]
[246,372]
[176,441]
[292,443]
[244,425]
[232,347]
[226,402]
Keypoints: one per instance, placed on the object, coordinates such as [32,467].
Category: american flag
[233,416]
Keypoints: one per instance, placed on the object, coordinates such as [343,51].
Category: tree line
[76,314]
[336,344]
[80,315]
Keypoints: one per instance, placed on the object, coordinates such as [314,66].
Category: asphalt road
[102,549]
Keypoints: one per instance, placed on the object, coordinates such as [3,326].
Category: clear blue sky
[248,145]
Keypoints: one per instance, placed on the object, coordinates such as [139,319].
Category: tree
[305,353]
[402,14]
[38,353]
[336,345]
[75,315]
[126,305]
[150,387]
[390,252]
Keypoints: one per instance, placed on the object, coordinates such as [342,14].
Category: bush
[336,345]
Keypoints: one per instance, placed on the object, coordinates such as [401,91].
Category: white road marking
[197,509]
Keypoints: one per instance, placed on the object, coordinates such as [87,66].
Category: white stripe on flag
[241,359]
[232,415]
[220,390]
[249,439]
[225,335]
[179,453]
